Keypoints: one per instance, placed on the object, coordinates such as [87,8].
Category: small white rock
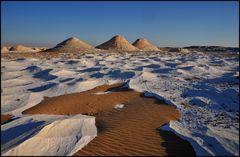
[119,106]
[100,93]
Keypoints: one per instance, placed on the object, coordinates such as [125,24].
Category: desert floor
[140,103]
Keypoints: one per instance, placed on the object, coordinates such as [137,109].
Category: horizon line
[95,45]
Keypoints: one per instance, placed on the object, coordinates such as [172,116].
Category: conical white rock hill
[118,43]
[145,45]
[72,44]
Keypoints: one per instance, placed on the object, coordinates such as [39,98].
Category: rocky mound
[72,45]
[4,49]
[117,43]
[145,45]
[21,48]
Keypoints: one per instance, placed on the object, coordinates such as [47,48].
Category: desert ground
[119,99]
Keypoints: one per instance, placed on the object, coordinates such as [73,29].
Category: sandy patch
[5,118]
[131,130]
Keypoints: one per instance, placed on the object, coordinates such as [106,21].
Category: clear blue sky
[163,23]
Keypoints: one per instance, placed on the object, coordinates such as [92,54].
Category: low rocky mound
[4,49]
[164,48]
[39,49]
[117,43]
[182,50]
[212,48]
[145,45]
[21,48]
[72,45]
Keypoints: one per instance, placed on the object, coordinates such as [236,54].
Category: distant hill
[72,44]
[212,48]
[117,43]
[145,45]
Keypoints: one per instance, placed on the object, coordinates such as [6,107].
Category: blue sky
[163,23]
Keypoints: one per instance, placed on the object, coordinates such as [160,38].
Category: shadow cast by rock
[43,87]
[44,75]
[120,75]
[174,145]
[16,135]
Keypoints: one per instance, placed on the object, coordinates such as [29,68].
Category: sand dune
[145,45]
[117,43]
[72,44]
[84,105]
[130,130]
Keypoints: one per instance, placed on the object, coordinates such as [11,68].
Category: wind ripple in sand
[130,130]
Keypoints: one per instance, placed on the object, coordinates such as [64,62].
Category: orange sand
[5,118]
[127,131]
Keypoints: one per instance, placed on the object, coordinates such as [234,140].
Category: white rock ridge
[60,138]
